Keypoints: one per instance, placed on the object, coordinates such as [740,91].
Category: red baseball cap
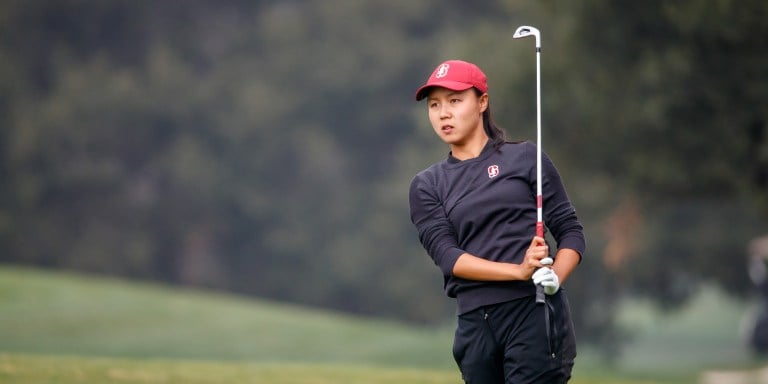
[456,75]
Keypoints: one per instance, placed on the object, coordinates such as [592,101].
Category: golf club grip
[540,294]
[540,299]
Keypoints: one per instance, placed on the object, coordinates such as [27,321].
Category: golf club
[521,32]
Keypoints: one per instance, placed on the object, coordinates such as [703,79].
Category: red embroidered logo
[493,171]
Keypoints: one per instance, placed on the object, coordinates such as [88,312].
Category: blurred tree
[229,145]
[683,123]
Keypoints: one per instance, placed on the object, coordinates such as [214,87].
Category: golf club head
[525,31]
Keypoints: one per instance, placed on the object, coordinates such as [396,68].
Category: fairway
[60,313]
[26,369]
[22,369]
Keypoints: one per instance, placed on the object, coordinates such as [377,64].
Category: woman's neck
[469,150]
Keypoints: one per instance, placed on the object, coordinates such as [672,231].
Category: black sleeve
[435,230]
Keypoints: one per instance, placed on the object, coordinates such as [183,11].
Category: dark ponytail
[495,133]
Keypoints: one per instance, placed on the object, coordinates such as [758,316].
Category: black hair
[494,132]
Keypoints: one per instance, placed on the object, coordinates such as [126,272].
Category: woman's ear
[483,102]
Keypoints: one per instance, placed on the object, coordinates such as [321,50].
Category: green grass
[57,313]
[37,369]
[67,328]
[22,369]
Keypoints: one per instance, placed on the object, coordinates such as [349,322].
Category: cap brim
[452,85]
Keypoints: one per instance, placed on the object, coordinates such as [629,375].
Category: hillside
[63,313]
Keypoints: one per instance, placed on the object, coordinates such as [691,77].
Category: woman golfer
[475,213]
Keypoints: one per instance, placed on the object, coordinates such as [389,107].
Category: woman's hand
[537,251]
[471,267]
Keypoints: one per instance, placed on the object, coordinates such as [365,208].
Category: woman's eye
[454,101]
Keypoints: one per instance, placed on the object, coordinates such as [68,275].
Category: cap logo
[442,71]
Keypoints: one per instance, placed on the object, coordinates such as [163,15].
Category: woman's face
[456,116]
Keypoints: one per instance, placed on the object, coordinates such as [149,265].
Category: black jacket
[486,206]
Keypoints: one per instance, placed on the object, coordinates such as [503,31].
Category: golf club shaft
[525,31]
[540,298]
[539,197]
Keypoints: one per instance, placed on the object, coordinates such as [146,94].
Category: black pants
[509,342]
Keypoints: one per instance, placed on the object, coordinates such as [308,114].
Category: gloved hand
[547,278]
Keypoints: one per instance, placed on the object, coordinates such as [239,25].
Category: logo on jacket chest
[493,171]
